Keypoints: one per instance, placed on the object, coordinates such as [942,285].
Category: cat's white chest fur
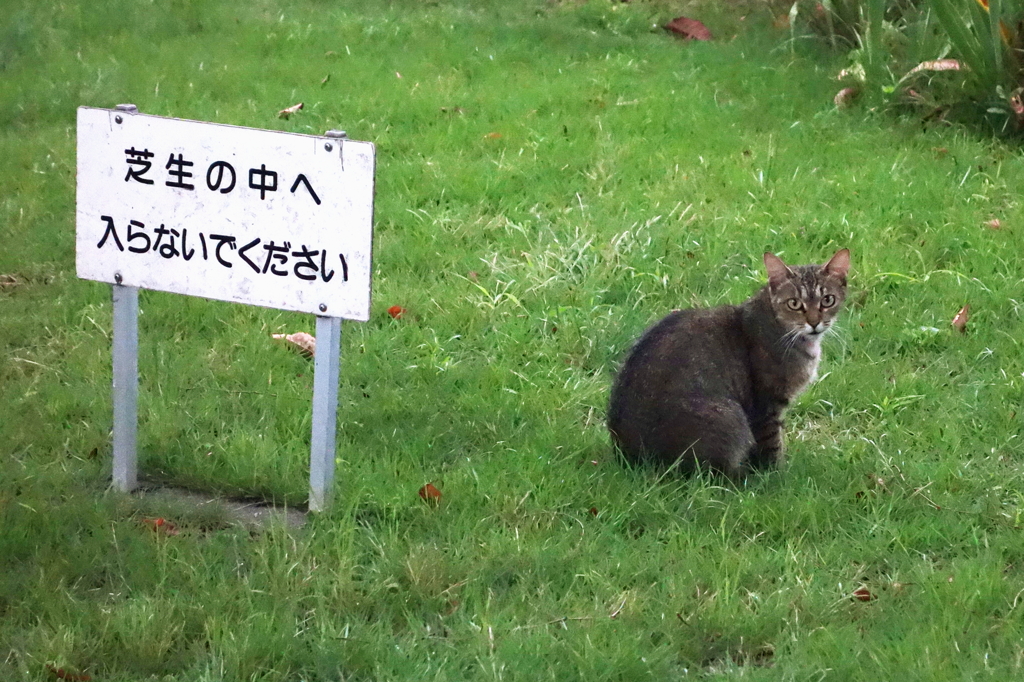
[812,346]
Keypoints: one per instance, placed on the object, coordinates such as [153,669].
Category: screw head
[328,146]
[323,307]
[118,119]
[118,278]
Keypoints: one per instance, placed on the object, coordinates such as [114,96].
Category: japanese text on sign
[238,214]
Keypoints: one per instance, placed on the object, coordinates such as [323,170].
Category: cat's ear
[839,265]
[778,272]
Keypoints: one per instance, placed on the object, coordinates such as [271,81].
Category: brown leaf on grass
[8,282]
[293,109]
[593,511]
[1017,103]
[62,674]
[845,97]
[935,65]
[396,312]
[689,29]
[938,65]
[493,136]
[161,525]
[302,342]
[993,224]
[430,493]
[863,594]
[960,319]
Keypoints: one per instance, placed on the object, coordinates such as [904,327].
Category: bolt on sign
[237,214]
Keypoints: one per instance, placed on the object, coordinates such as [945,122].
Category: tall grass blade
[974,37]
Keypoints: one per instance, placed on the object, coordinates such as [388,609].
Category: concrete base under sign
[188,508]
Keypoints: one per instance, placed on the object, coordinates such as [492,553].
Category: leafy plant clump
[943,59]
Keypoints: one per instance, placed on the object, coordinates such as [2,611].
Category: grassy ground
[551,179]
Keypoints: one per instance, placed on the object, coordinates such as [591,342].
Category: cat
[706,388]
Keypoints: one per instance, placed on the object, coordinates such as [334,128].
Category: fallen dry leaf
[914,96]
[863,594]
[161,525]
[934,65]
[993,224]
[845,97]
[687,28]
[396,312]
[960,319]
[8,282]
[473,276]
[430,493]
[304,343]
[593,511]
[493,136]
[1017,103]
[285,113]
[62,674]
[938,65]
[397,75]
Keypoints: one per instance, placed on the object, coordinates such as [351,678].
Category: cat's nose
[818,328]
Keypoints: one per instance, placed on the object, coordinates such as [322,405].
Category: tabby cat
[707,387]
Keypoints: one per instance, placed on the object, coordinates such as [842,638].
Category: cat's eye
[794,304]
[828,300]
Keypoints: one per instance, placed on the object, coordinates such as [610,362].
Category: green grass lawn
[552,178]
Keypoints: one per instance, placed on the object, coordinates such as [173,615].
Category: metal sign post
[126,386]
[236,214]
[325,407]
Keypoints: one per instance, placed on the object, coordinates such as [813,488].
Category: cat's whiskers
[839,333]
[790,339]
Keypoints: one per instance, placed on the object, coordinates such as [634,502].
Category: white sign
[237,214]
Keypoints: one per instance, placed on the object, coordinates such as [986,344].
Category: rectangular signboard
[268,218]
